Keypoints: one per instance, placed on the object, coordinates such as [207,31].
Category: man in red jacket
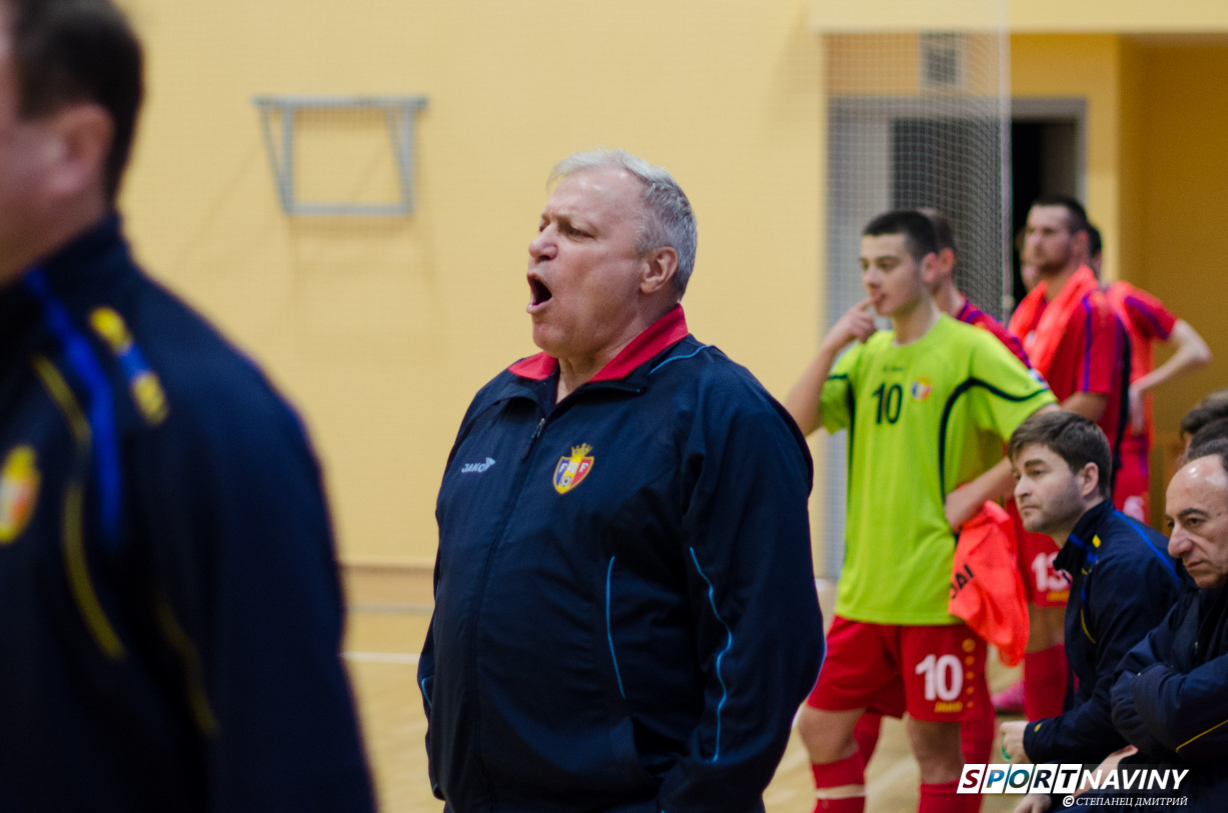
[1077,342]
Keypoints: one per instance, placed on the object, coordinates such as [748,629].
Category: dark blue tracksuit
[636,636]
[1171,696]
[1122,584]
[169,606]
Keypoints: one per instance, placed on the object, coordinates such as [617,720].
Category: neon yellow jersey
[922,419]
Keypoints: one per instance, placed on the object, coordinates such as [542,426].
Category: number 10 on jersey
[889,402]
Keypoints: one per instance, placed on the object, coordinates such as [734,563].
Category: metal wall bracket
[398,113]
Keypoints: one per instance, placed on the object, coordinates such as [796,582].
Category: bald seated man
[1170,699]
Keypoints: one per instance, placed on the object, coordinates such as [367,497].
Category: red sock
[976,736]
[866,735]
[1044,683]
[940,798]
[836,774]
[977,732]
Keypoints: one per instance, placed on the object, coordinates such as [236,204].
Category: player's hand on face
[1033,803]
[856,324]
[1138,420]
[1012,740]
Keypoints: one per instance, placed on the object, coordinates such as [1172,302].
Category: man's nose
[542,247]
[1178,543]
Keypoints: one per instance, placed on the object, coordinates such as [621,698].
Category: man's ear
[79,141]
[929,268]
[1089,480]
[658,269]
[946,259]
[1080,241]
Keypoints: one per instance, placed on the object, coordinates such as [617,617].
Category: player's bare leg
[938,752]
[828,735]
[937,748]
[839,776]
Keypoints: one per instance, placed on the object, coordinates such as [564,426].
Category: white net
[916,119]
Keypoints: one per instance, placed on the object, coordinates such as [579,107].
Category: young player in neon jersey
[1147,321]
[976,734]
[1075,340]
[927,405]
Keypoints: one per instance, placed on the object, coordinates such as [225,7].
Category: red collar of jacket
[656,338]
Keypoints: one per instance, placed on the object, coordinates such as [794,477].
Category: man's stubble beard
[1062,515]
[1054,267]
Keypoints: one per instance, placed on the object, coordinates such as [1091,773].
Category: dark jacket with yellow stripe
[1171,695]
[1123,582]
[170,614]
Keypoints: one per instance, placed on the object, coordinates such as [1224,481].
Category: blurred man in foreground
[625,617]
[170,613]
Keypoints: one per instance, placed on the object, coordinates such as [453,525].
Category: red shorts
[1132,491]
[936,674]
[1043,585]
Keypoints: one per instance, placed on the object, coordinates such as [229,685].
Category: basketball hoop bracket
[399,113]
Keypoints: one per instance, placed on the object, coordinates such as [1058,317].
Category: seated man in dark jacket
[625,614]
[1122,582]
[1171,695]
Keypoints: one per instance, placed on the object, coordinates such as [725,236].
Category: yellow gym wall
[381,330]
[1183,96]
[1157,178]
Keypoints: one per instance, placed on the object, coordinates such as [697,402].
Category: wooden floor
[381,652]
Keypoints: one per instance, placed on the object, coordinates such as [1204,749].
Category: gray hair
[668,221]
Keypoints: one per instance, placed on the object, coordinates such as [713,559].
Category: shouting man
[625,614]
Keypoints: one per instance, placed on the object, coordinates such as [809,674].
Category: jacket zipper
[505,517]
[537,433]
[517,488]
[1202,623]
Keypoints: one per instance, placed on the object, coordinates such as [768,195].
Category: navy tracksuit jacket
[1123,583]
[1171,697]
[170,614]
[625,614]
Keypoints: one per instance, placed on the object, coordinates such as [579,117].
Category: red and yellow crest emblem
[19,481]
[571,470]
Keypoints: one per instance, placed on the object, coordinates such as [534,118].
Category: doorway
[1048,157]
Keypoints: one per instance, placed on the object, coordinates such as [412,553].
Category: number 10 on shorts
[944,677]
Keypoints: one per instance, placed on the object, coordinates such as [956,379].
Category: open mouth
[538,291]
